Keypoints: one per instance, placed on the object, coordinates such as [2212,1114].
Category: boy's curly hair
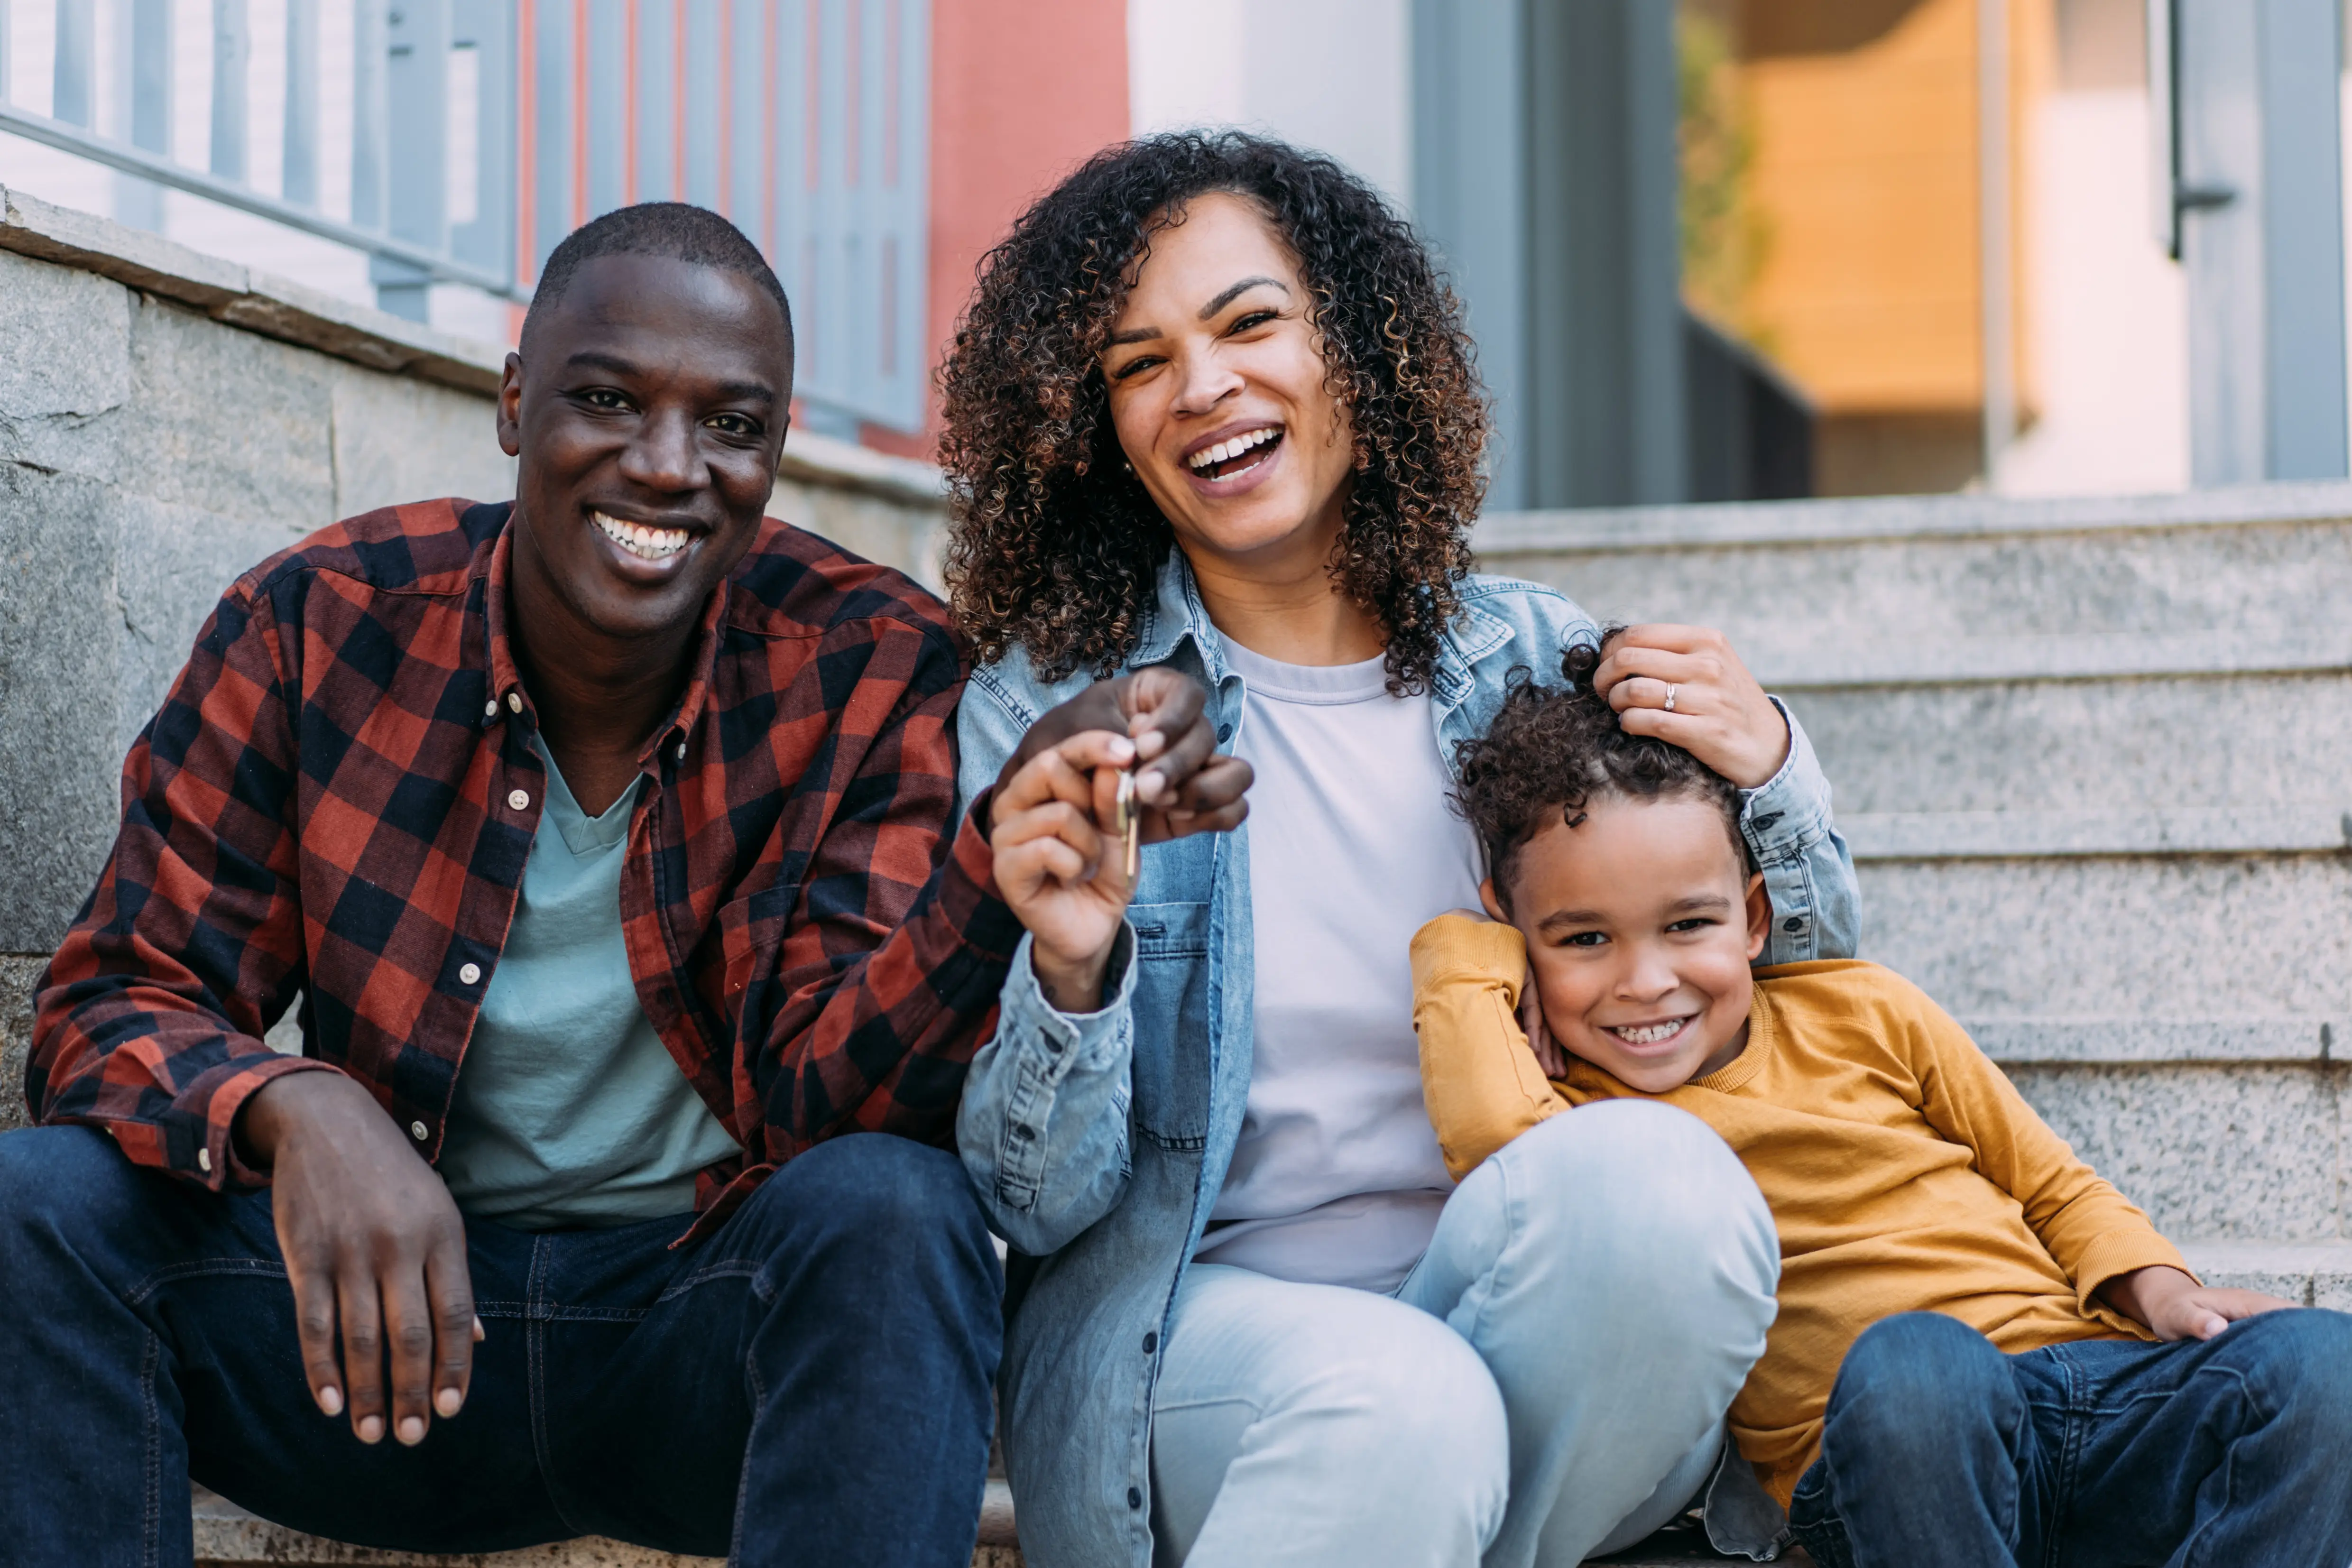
[1056,547]
[1553,750]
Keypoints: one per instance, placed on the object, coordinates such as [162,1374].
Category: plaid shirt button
[514,701]
[419,1130]
[519,800]
[468,973]
[490,709]
[205,1159]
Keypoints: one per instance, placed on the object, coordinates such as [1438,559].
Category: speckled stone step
[229,1537]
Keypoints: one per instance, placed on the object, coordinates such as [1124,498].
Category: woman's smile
[1228,465]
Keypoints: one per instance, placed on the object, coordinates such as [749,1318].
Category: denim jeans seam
[535,1362]
[151,1543]
[197,1269]
[727,1269]
[743,1473]
[2187,1553]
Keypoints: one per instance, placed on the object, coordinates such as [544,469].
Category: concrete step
[2238,742]
[2266,566]
[229,1537]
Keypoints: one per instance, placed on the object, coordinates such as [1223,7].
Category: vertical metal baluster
[488,240]
[300,183]
[909,198]
[76,76]
[607,43]
[551,69]
[4,89]
[139,112]
[232,50]
[370,122]
[416,72]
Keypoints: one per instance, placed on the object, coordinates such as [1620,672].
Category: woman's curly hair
[1551,751]
[1055,545]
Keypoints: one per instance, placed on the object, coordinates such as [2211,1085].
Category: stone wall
[166,421]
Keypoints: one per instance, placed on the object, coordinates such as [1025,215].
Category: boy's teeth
[1649,1034]
[651,544]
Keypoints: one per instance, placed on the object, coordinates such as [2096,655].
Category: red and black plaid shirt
[339,795]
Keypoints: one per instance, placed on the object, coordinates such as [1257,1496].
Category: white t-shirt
[1353,846]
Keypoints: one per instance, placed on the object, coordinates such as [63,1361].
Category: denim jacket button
[1134,1498]
[1024,1132]
[1224,734]
[1793,923]
[1150,1343]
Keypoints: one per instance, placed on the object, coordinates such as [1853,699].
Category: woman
[1212,409]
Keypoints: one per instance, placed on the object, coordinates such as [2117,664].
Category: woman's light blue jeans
[1548,1382]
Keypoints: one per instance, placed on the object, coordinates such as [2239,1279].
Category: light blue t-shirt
[569,1111]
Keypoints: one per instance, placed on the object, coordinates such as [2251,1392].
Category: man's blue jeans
[2233,1452]
[809,1385]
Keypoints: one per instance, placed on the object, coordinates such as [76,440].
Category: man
[610,839]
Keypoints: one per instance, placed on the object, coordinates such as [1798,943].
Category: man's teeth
[651,544]
[1649,1034]
[1225,452]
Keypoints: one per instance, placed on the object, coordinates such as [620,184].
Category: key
[1129,821]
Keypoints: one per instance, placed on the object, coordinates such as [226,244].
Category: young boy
[1984,1354]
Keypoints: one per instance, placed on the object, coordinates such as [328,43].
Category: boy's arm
[1481,1081]
[2095,1233]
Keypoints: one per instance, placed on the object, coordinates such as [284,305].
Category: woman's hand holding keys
[1061,860]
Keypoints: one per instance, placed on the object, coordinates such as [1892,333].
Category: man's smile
[643,540]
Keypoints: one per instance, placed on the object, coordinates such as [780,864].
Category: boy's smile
[1641,923]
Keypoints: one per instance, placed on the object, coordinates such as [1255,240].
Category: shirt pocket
[1171,1071]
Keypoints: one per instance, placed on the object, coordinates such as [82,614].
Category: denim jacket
[1099,1142]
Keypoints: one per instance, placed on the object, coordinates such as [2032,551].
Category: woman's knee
[1638,1191]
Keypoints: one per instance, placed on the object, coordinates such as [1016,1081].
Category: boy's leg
[1929,1457]
[810,1385]
[148,1331]
[2207,1454]
[1614,1269]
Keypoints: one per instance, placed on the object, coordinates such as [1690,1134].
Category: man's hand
[1720,715]
[1181,782]
[2175,1307]
[371,1240]
[1059,867]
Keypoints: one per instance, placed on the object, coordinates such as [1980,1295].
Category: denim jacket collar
[1177,615]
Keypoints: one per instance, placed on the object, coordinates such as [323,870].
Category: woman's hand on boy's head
[1183,783]
[1719,714]
[1059,867]
[2174,1306]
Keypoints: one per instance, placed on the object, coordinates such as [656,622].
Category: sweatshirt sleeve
[1481,1081]
[2093,1231]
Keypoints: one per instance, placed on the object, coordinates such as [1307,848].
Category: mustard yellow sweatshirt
[1903,1172]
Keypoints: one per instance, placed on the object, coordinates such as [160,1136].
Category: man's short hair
[679,230]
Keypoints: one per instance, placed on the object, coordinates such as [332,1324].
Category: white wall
[1333,74]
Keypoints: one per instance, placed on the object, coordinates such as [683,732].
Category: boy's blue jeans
[809,1385]
[2230,1452]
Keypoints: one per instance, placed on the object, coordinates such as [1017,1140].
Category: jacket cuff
[1070,1039]
[1789,813]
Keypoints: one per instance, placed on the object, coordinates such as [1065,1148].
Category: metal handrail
[245,198]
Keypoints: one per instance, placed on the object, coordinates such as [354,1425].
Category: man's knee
[874,1194]
[57,1181]
[1919,1378]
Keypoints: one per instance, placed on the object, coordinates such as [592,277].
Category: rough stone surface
[67,372]
[2190,937]
[228,422]
[60,638]
[2186,582]
[2160,745]
[2237,1152]
[881,530]
[401,440]
[17,973]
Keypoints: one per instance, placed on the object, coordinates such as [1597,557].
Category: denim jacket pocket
[1171,989]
